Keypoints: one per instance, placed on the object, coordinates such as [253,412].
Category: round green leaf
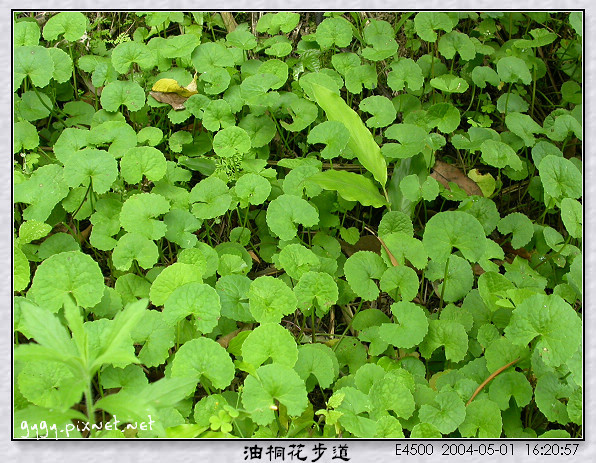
[270,340]
[138,212]
[334,134]
[446,333]
[134,246]
[459,281]
[483,420]
[65,274]
[198,299]
[203,357]
[446,413]
[457,42]
[72,24]
[270,299]
[426,23]
[62,65]
[318,290]
[127,53]
[381,108]
[252,189]
[449,83]
[409,328]
[260,129]
[553,321]
[25,136]
[122,93]
[270,384]
[211,198]
[334,31]
[513,69]
[35,62]
[173,277]
[26,33]
[93,165]
[181,226]
[571,214]
[454,229]
[319,361]
[520,225]
[233,294]
[287,210]
[211,54]
[400,280]
[43,190]
[560,177]
[142,160]
[231,141]
[405,72]
[296,260]
[360,269]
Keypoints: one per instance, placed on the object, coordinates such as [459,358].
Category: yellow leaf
[486,182]
[172,86]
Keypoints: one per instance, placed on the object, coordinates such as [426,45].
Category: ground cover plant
[298,225]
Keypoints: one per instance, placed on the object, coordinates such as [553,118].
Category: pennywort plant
[271,225]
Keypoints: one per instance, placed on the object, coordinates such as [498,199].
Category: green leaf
[303,114]
[273,23]
[381,108]
[394,393]
[231,141]
[319,361]
[209,55]
[25,136]
[118,134]
[122,93]
[483,74]
[318,290]
[35,62]
[198,299]
[157,339]
[296,260]
[260,129]
[446,413]
[65,274]
[252,189]
[560,178]
[444,116]
[400,280]
[483,420]
[334,31]
[273,383]
[270,340]
[361,140]
[43,190]
[138,212]
[513,69]
[523,126]
[549,390]
[381,36]
[571,214]
[142,161]
[350,186]
[21,269]
[457,42]
[409,327]
[172,277]
[510,384]
[181,227]
[134,246]
[426,23]
[25,33]
[450,229]
[334,134]
[106,223]
[360,269]
[203,357]
[211,198]
[405,72]
[127,53]
[446,333]
[287,210]
[270,299]
[550,319]
[233,294]
[115,344]
[521,227]
[449,83]
[91,165]
[72,24]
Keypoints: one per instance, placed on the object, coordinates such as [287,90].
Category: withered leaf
[173,99]
[445,173]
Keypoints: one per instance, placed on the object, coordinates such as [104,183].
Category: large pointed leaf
[350,186]
[361,141]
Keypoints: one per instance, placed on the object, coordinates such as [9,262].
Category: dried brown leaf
[445,173]
[173,99]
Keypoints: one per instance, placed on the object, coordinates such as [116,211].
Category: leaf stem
[490,378]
